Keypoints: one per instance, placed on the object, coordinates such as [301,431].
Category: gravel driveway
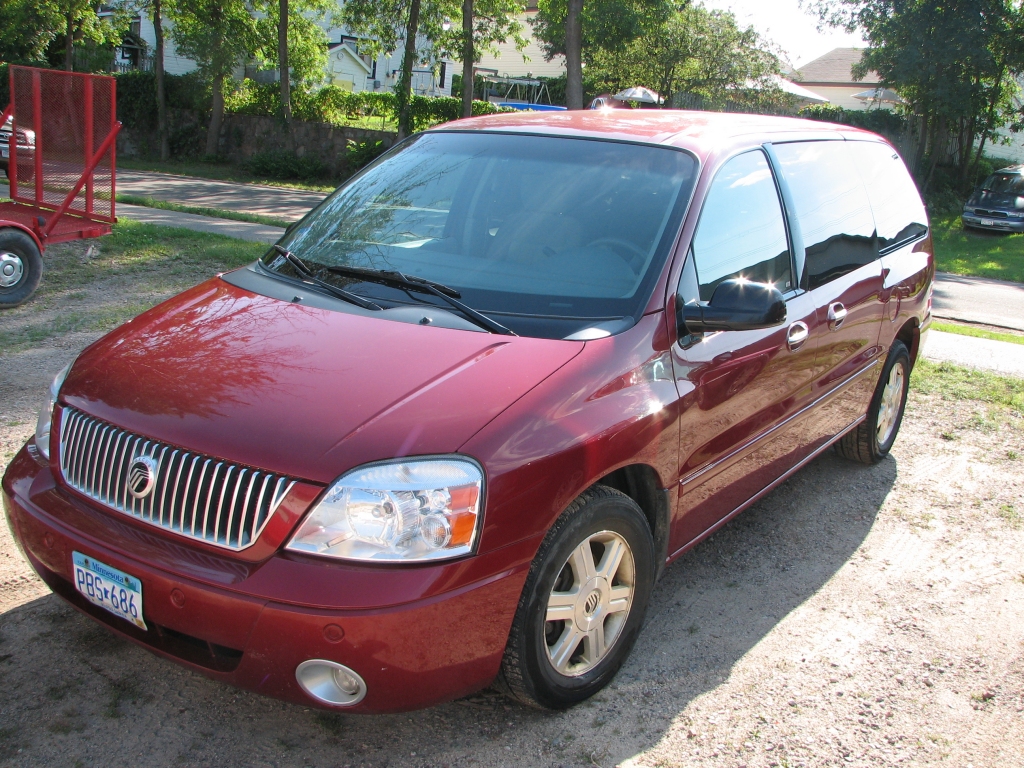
[856,616]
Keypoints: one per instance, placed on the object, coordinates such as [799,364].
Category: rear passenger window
[741,231]
[832,208]
[899,212]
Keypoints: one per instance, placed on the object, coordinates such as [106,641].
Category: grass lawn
[219,213]
[96,285]
[978,333]
[218,171]
[967,252]
[954,382]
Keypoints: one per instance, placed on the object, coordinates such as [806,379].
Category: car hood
[299,390]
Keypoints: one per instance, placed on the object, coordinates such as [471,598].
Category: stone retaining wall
[243,136]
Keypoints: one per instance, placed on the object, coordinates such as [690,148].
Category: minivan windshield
[1005,183]
[550,235]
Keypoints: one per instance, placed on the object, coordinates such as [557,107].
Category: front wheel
[583,603]
[21,267]
[872,440]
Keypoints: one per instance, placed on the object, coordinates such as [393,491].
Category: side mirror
[737,305]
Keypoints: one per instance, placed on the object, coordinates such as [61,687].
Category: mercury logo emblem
[593,600]
[141,476]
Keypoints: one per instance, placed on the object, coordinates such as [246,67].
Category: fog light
[330,682]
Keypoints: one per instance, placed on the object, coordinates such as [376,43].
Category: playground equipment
[60,167]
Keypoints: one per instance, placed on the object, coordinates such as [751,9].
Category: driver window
[742,233]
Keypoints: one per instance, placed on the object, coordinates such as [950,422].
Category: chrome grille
[194,495]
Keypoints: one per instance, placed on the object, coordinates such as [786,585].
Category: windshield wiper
[397,279]
[308,277]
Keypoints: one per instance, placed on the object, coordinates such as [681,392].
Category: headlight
[46,413]
[406,511]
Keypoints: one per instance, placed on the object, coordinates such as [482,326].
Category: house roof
[345,48]
[834,68]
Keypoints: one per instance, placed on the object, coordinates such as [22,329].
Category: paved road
[278,202]
[979,300]
[998,356]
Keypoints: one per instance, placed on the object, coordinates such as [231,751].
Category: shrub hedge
[331,104]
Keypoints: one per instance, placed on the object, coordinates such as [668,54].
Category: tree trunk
[468,59]
[282,61]
[69,44]
[158,72]
[408,60]
[216,118]
[574,55]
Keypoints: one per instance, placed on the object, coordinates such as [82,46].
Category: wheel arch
[8,224]
[641,483]
[910,334]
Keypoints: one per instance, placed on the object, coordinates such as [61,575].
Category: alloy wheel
[889,407]
[589,603]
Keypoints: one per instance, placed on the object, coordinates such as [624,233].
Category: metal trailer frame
[43,213]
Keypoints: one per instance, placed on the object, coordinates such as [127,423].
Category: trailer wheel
[21,267]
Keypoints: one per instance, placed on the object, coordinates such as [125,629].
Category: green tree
[695,51]
[388,23]
[580,30]
[27,29]
[484,24]
[292,40]
[955,64]
[218,35]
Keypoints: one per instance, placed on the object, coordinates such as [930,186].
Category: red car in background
[448,432]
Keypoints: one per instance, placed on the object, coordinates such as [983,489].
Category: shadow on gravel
[75,694]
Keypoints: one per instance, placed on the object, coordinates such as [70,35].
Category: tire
[21,267]
[871,441]
[610,522]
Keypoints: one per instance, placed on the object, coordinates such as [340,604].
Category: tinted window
[1005,183]
[523,226]
[831,206]
[742,232]
[899,213]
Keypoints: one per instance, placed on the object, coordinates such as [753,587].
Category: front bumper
[251,625]
[996,225]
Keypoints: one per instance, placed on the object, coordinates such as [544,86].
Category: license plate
[109,588]
[4,152]
[987,222]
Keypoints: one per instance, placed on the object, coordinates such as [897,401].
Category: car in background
[998,204]
[26,150]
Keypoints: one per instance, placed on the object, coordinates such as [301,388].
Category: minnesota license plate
[987,222]
[109,588]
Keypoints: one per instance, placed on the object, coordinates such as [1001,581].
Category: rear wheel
[21,267]
[583,603]
[871,441]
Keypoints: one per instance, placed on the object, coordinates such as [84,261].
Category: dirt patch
[856,616]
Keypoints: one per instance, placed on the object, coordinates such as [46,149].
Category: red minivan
[449,431]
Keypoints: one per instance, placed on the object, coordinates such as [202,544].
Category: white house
[346,66]
[529,62]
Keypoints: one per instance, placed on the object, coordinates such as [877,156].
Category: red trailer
[57,142]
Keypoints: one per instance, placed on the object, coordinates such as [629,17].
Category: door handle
[798,333]
[836,315]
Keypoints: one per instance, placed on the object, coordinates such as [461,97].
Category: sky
[790,27]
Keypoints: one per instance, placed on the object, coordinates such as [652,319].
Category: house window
[373,70]
[442,74]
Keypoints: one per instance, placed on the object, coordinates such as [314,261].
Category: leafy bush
[361,153]
[333,105]
[881,121]
[279,164]
[136,97]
